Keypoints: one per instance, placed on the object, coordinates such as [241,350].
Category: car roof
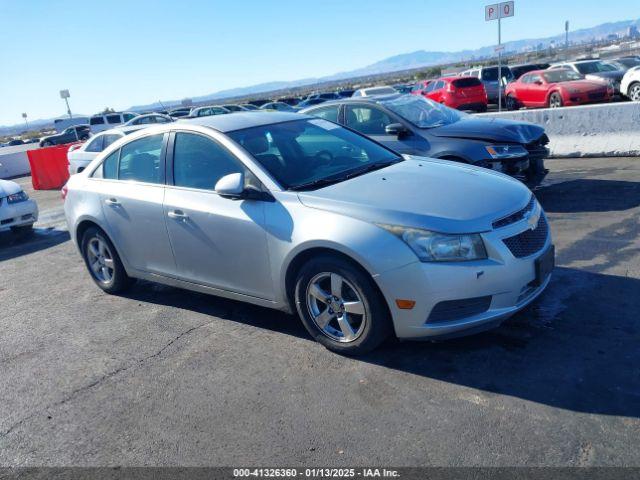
[241,120]
[126,130]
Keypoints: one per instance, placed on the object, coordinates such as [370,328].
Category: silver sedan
[300,214]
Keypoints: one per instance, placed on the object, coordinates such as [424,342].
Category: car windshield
[627,62]
[558,76]
[594,67]
[422,112]
[309,154]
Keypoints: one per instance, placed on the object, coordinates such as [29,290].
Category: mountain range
[405,61]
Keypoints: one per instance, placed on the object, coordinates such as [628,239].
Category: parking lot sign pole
[64,94]
[497,11]
[24,115]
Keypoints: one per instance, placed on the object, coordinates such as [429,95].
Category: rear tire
[340,306]
[555,100]
[103,262]
[512,103]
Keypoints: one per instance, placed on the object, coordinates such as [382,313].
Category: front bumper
[507,281]
[18,214]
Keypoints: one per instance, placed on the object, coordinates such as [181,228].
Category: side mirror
[396,129]
[231,186]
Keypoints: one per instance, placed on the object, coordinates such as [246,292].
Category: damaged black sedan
[415,125]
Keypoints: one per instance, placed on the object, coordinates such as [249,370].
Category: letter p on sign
[498,10]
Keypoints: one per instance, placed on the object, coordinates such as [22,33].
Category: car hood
[8,188]
[420,192]
[490,129]
[583,85]
[614,75]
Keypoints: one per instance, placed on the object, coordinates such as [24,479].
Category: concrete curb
[605,130]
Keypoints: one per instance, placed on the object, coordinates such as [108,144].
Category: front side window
[308,154]
[431,87]
[328,113]
[140,160]
[95,145]
[113,119]
[110,166]
[367,120]
[558,76]
[199,162]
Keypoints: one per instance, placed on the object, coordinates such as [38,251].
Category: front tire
[103,262]
[555,100]
[340,306]
[634,92]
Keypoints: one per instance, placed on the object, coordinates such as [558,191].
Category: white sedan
[17,210]
[630,86]
[79,156]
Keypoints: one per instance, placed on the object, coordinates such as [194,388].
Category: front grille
[6,221]
[452,310]
[515,217]
[538,148]
[530,241]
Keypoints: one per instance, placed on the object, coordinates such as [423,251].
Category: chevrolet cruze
[300,214]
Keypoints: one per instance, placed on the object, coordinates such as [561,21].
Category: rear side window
[95,145]
[128,116]
[110,166]
[96,121]
[113,119]
[467,82]
[199,162]
[109,139]
[328,113]
[140,160]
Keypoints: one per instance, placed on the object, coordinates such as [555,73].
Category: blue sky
[119,53]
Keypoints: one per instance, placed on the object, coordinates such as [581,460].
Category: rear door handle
[177,214]
[112,201]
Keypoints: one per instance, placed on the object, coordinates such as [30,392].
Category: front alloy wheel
[555,100]
[340,305]
[100,260]
[634,92]
[335,307]
[103,262]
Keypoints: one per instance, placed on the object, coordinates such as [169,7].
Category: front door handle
[112,201]
[177,214]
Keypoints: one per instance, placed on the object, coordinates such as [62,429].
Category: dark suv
[69,135]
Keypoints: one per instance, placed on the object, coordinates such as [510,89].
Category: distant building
[632,32]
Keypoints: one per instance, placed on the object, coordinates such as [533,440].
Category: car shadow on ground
[13,245]
[588,195]
[575,348]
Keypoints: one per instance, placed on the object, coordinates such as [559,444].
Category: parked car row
[298,213]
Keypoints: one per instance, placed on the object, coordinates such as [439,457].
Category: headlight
[17,197]
[440,247]
[506,151]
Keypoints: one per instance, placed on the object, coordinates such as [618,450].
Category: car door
[371,120]
[132,192]
[217,241]
[537,90]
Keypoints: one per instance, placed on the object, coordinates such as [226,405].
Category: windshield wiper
[322,182]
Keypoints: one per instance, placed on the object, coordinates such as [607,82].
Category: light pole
[24,115]
[566,39]
[498,11]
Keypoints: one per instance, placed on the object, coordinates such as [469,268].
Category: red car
[463,93]
[555,88]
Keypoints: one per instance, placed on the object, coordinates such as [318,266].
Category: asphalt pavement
[162,376]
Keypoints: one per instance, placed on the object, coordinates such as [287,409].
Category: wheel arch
[86,223]
[301,257]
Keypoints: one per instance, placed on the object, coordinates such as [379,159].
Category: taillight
[64,191]
[451,88]
[74,147]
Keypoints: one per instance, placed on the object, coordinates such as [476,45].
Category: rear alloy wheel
[512,103]
[634,92]
[340,306]
[103,262]
[555,100]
